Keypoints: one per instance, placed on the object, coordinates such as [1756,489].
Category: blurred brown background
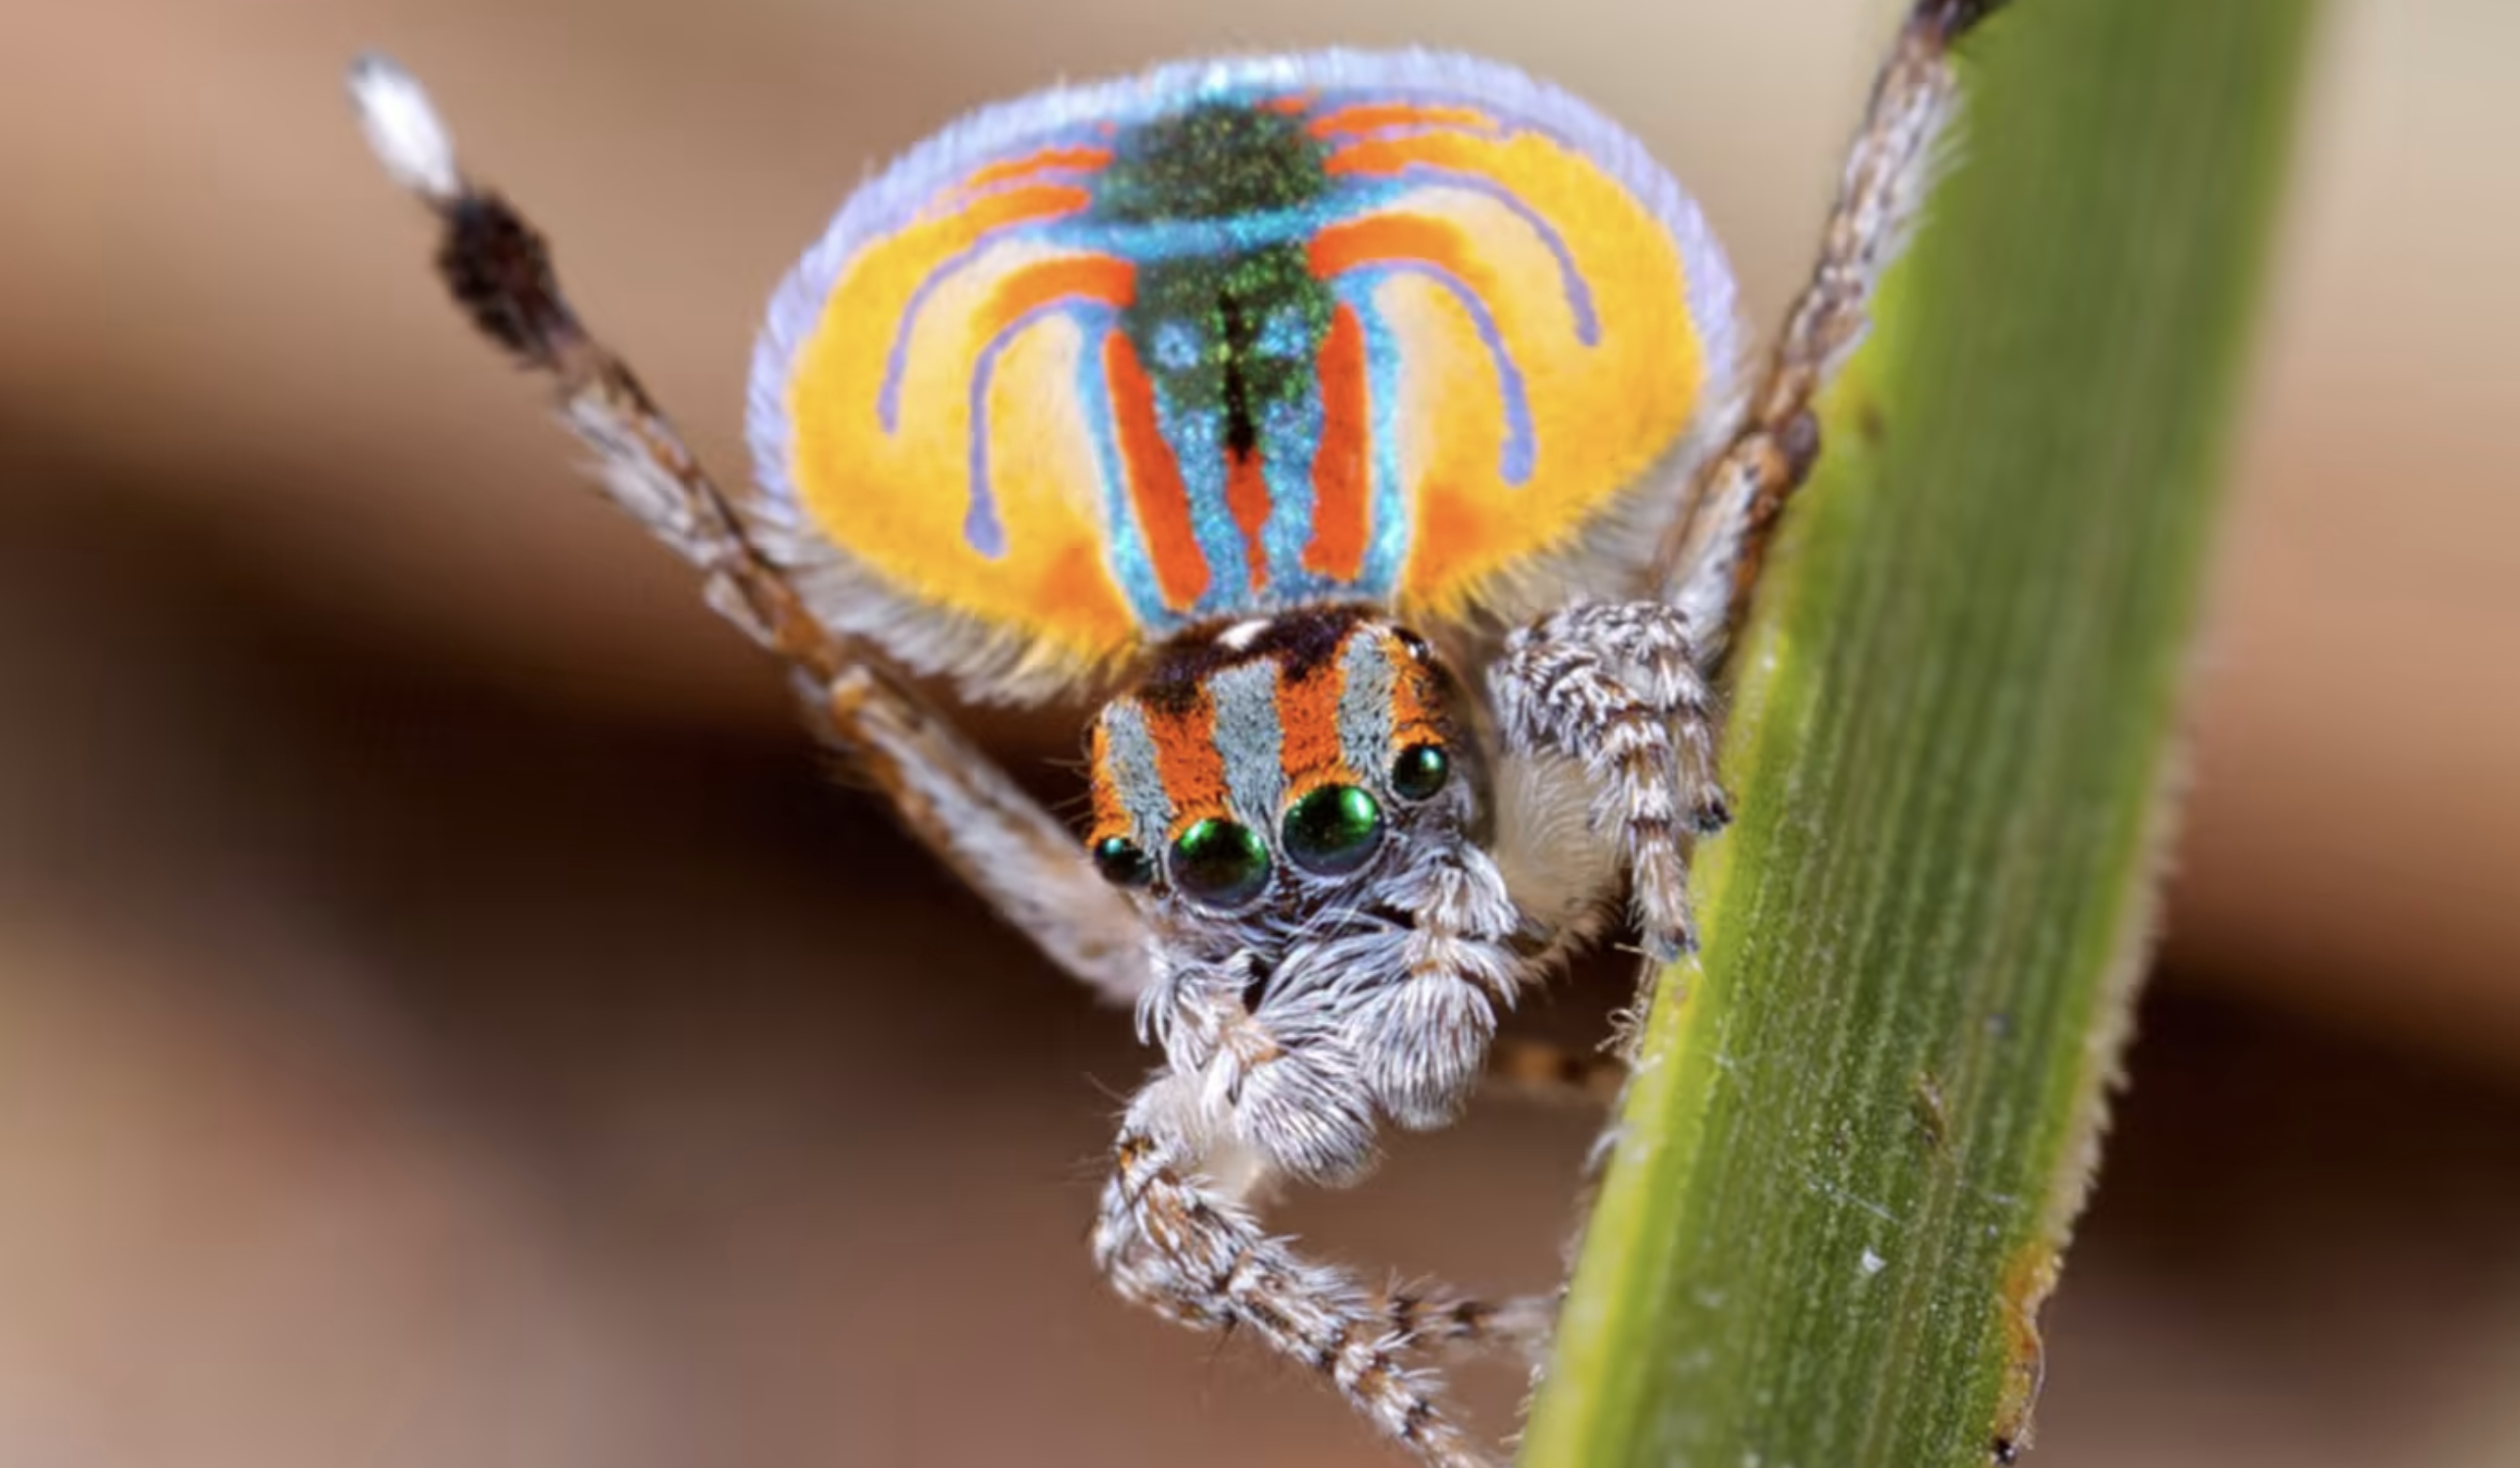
[445,1018]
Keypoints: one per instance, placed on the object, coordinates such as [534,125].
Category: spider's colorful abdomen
[1231,338]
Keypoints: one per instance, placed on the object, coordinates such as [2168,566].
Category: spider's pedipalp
[1423,1041]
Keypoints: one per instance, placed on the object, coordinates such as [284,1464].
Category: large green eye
[1220,863]
[1334,829]
[1122,862]
[1420,771]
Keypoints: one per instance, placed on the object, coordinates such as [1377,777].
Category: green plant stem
[1865,1119]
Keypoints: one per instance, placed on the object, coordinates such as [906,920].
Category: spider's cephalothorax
[1300,802]
[1371,421]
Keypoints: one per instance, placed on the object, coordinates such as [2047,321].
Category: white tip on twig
[403,129]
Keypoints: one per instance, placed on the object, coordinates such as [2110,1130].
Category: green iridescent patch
[1217,161]
[1226,330]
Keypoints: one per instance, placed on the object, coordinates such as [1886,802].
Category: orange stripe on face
[1246,498]
[1110,811]
[1417,698]
[1340,476]
[1393,237]
[1089,277]
[1086,160]
[1186,758]
[1295,105]
[1371,117]
[1155,479]
[1310,751]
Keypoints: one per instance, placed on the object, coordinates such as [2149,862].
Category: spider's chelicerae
[1371,430]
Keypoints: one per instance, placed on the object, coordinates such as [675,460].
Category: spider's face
[1270,776]
[1288,796]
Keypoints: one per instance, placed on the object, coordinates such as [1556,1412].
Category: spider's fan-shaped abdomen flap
[1227,338]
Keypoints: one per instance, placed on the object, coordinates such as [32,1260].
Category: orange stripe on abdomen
[1382,157]
[1019,206]
[1089,277]
[1081,160]
[1392,237]
[1342,505]
[1373,117]
[1247,499]
[1155,488]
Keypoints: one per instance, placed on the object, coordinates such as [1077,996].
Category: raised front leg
[941,788]
[1616,687]
[1711,559]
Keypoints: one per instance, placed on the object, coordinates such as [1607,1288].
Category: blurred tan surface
[442,1020]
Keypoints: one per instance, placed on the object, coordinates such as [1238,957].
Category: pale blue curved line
[981,529]
[888,398]
[1520,452]
[1578,292]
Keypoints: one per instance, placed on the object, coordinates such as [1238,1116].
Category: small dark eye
[1122,862]
[1420,771]
[1334,829]
[1220,863]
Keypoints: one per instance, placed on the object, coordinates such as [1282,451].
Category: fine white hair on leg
[941,788]
[1440,1320]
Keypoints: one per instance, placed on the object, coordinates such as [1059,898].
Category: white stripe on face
[1130,749]
[1365,718]
[1249,737]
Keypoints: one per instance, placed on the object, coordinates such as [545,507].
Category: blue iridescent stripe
[1389,542]
[1124,540]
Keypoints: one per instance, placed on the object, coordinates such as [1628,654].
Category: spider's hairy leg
[1711,559]
[1440,1320]
[1616,687]
[1171,1237]
[941,788]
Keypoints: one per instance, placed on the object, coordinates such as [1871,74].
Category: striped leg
[1711,559]
[1616,687]
[943,789]
[1172,1240]
[1443,1321]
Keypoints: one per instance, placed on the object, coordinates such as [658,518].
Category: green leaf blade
[1862,1120]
